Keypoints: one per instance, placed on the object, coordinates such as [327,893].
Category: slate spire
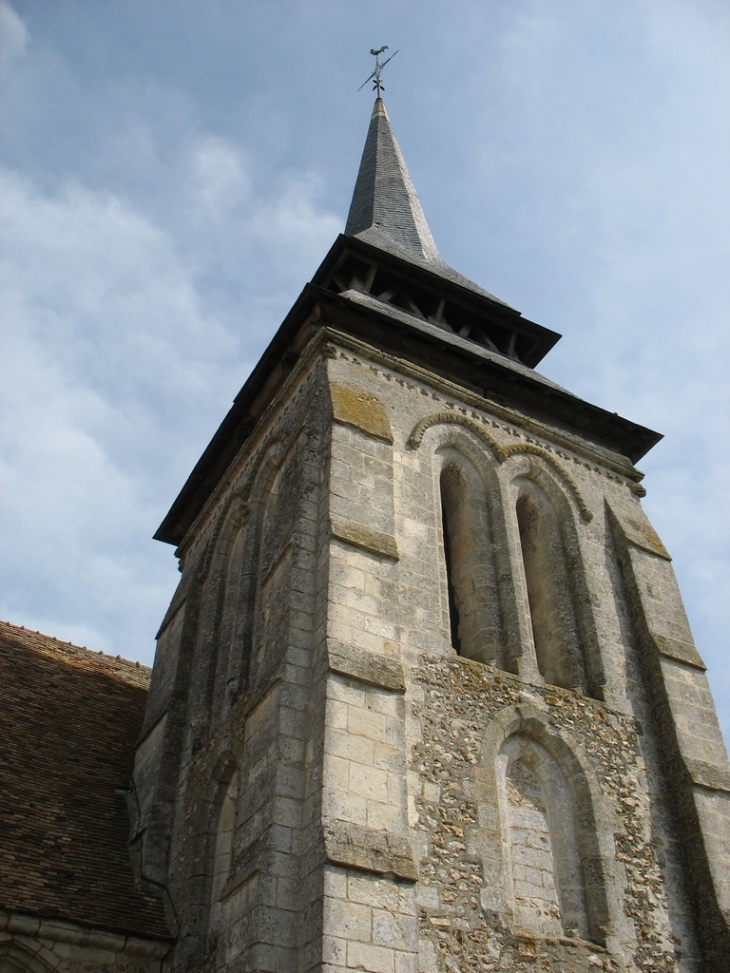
[385,210]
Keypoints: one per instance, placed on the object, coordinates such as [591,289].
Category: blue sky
[173,173]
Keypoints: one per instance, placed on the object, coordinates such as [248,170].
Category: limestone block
[360,409]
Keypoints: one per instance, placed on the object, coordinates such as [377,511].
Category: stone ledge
[642,535]
[710,776]
[367,538]
[678,650]
[361,410]
[377,670]
[343,344]
[353,846]
[248,870]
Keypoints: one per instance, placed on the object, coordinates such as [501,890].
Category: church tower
[426,699]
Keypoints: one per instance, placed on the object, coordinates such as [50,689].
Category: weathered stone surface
[371,851]
[38,945]
[357,408]
[369,668]
[529,822]
[367,538]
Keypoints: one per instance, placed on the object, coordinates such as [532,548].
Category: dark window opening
[449,556]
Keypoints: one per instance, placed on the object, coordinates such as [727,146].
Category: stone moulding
[454,419]
[501,453]
[352,846]
[678,651]
[248,868]
[389,367]
[56,930]
[346,660]
[30,957]
[367,538]
[710,776]
[643,536]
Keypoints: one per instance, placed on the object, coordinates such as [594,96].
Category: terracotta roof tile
[69,719]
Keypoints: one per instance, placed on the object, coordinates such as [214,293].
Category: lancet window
[223,844]
[549,590]
[474,610]
[233,654]
[226,627]
[246,569]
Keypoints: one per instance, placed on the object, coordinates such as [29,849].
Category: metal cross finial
[375,76]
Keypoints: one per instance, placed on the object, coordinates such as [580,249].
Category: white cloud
[604,149]
[103,332]
[222,180]
[115,373]
[577,169]
[14,36]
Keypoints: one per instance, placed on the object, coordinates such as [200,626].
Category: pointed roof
[384,283]
[385,210]
[385,203]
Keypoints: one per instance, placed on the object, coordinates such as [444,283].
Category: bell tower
[426,698]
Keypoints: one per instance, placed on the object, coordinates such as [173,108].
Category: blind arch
[544,873]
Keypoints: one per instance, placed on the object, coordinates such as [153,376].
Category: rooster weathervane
[375,76]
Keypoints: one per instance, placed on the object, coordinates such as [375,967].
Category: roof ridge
[62,643]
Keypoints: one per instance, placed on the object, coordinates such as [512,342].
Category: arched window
[269,605]
[552,613]
[451,505]
[226,624]
[223,845]
[474,609]
[543,866]
[220,619]
[15,958]
[233,655]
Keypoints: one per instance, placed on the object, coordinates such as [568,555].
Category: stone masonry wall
[461,907]
[401,808]
[246,705]
[593,757]
[44,945]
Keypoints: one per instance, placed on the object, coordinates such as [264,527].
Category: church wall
[693,756]
[369,917]
[390,599]
[254,565]
[400,806]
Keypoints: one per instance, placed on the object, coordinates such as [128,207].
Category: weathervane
[375,76]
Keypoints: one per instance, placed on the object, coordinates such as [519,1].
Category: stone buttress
[426,698]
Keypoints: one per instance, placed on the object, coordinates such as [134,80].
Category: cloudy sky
[174,171]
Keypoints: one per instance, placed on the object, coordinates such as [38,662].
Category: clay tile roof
[69,719]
